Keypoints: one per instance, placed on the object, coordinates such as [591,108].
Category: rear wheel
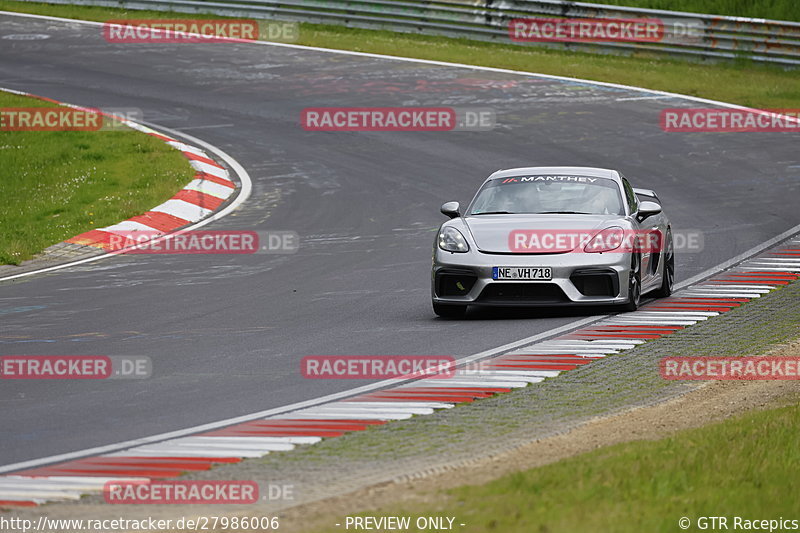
[634,284]
[449,310]
[668,276]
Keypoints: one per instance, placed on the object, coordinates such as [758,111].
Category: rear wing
[646,194]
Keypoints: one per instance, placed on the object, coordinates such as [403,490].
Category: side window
[630,196]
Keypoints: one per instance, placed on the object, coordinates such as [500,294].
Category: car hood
[491,232]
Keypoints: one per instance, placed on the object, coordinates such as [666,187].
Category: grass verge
[741,82]
[56,185]
[734,468]
[770,9]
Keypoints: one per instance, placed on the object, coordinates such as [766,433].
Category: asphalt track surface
[226,332]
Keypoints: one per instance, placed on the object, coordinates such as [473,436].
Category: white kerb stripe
[214,170]
[772,267]
[466,383]
[144,129]
[183,147]
[430,405]
[251,439]
[698,294]
[670,313]
[582,348]
[175,451]
[184,210]
[87,481]
[616,343]
[28,495]
[654,322]
[355,407]
[344,414]
[47,484]
[515,373]
[515,377]
[754,287]
[233,447]
[568,350]
[128,226]
[210,188]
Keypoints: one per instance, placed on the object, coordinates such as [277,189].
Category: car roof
[567,171]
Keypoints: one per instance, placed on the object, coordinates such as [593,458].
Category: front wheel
[634,284]
[449,310]
[668,277]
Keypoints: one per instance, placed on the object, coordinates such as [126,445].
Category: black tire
[668,276]
[449,310]
[634,284]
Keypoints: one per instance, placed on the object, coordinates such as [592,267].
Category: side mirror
[451,209]
[648,209]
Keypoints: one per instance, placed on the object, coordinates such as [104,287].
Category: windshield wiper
[494,213]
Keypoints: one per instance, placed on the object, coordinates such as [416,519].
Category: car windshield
[549,194]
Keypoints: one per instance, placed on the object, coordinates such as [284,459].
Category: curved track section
[226,333]
[208,197]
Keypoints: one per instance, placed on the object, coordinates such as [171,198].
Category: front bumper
[578,278]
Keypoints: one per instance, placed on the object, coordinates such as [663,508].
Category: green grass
[56,185]
[740,467]
[770,9]
[739,82]
[743,83]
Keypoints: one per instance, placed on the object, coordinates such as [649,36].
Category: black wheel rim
[669,266]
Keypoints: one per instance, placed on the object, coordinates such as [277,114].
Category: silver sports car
[546,236]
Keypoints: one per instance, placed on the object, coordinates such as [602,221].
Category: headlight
[451,240]
[605,241]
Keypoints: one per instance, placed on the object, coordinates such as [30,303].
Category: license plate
[522,273]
